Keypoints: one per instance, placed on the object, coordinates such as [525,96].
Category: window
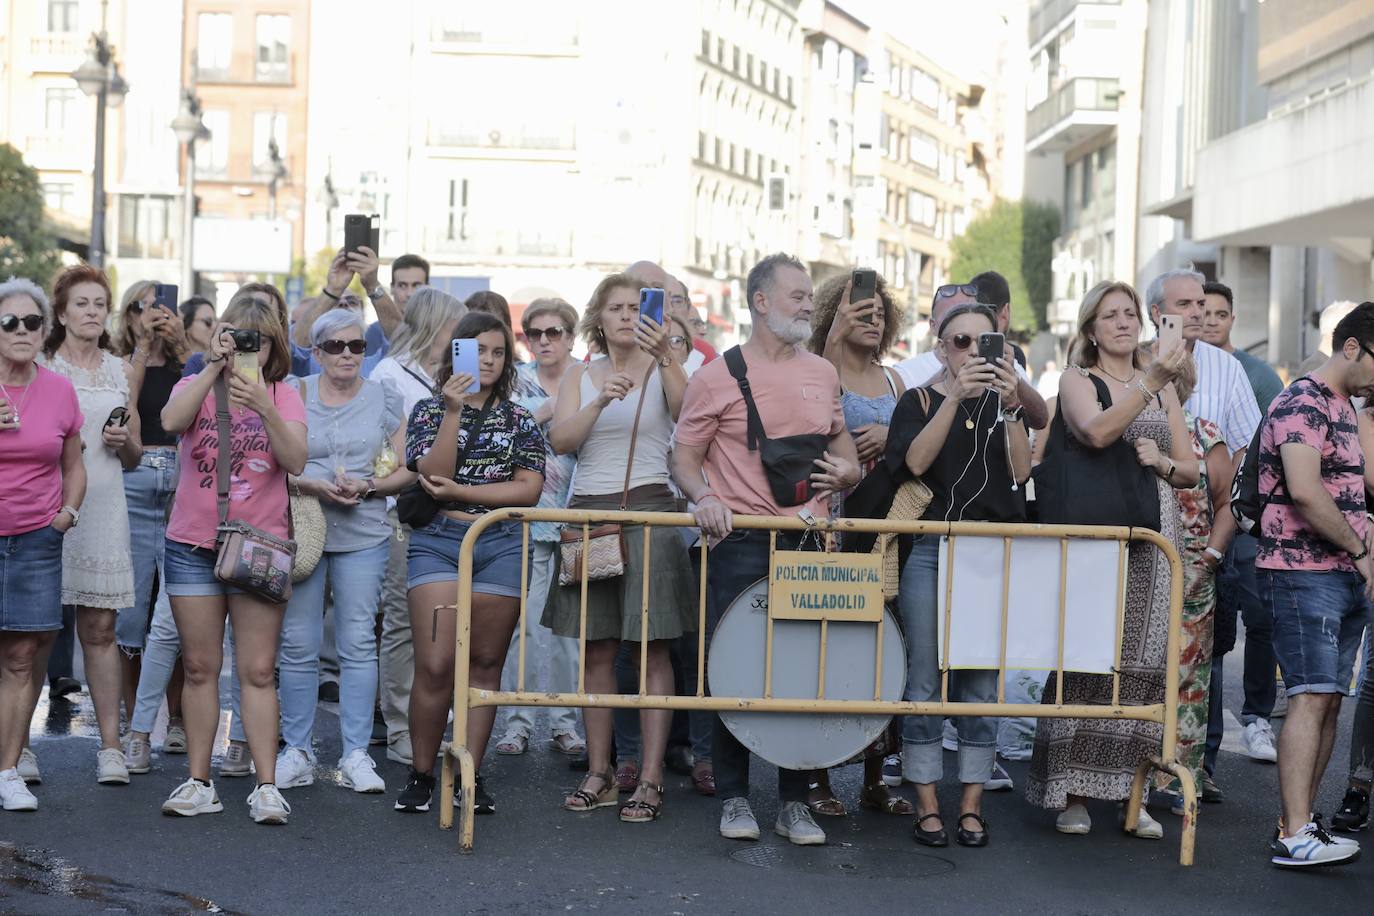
[212,156]
[925,89]
[59,195]
[720,51]
[57,108]
[214,45]
[749,67]
[923,149]
[457,209]
[63,15]
[736,59]
[274,38]
[701,145]
[145,226]
[267,125]
[705,43]
[1086,173]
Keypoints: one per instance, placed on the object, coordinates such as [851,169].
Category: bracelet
[326,291]
[1145,390]
[1172,467]
[214,359]
[1214,553]
[1360,556]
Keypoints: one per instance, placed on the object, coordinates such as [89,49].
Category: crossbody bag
[789,461]
[415,507]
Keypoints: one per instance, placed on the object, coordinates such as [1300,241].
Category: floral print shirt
[508,441]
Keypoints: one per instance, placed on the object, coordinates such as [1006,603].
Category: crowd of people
[133,437]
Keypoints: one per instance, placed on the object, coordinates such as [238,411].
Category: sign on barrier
[809,585]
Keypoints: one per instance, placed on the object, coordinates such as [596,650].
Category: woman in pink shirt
[42,484]
[267,442]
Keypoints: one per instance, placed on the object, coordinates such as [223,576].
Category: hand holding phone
[992,346]
[863,285]
[362,231]
[1170,334]
[465,362]
[651,304]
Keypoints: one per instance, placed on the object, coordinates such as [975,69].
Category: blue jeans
[31,581]
[922,758]
[356,577]
[1258,617]
[1319,617]
[147,488]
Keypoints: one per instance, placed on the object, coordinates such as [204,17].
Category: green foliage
[1014,238]
[27,249]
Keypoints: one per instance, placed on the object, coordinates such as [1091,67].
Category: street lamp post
[99,76]
[276,174]
[189,127]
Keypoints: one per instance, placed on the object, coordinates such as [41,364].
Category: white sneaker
[110,768]
[236,762]
[175,742]
[295,768]
[1311,846]
[358,772]
[28,767]
[1075,820]
[1000,780]
[1258,740]
[1146,827]
[138,757]
[14,795]
[266,806]
[795,823]
[737,821]
[192,798]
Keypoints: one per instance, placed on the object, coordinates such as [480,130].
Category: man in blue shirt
[364,264]
[409,272]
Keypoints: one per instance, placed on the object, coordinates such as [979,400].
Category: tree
[1014,238]
[27,249]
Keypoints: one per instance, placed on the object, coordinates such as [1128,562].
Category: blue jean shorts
[1318,618]
[31,581]
[190,572]
[496,561]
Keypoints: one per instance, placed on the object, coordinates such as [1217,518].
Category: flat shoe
[936,838]
[512,745]
[971,837]
[1074,820]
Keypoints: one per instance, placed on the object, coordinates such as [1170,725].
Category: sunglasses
[960,342]
[678,340]
[950,290]
[335,347]
[10,323]
[551,334]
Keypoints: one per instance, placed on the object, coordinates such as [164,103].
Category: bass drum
[802,741]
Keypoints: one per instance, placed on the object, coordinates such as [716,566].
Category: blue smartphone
[651,304]
[165,295]
[465,360]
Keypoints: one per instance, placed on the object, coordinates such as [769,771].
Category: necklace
[16,408]
[968,417]
[1125,382]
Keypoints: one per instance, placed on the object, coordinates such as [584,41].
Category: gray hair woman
[42,484]
[355,431]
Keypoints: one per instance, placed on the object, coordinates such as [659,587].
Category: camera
[246,341]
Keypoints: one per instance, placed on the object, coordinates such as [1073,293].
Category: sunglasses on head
[552,334]
[678,340]
[335,347]
[959,341]
[10,323]
[949,290]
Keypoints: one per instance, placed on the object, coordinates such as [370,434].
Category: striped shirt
[1224,396]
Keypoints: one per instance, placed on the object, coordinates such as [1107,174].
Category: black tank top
[157,388]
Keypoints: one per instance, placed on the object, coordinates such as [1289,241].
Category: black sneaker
[482,802]
[62,687]
[1211,792]
[417,793]
[1354,811]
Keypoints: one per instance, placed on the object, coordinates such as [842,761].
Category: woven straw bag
[307,522]
[908,505]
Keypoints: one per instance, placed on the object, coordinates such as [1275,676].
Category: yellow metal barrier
[466,697]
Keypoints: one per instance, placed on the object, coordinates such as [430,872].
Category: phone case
[247,364]
[465,360]
[651,304]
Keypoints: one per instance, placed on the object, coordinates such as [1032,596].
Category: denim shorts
[190,572]
[31,581]
[496,564]
[1318,618]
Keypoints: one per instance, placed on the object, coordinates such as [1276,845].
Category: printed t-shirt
[1309,413]
[257,484]
[31,456]
[795,397]
[509,440]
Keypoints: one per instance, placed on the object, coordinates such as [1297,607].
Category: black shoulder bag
[788,462]
[414,506]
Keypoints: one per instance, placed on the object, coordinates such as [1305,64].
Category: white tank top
[601,459]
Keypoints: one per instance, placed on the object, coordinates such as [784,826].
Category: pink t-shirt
[795,397]
[31,456]
[257,485]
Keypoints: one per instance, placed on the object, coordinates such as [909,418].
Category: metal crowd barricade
[466,697]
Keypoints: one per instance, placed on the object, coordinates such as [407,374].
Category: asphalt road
[101,849]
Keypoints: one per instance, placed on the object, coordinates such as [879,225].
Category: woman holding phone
[97,572]
[475,450]
[595,418]
[964,437]
[267,442]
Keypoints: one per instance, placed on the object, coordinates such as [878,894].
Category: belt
[159,460]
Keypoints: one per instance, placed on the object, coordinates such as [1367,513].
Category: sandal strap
[977,817]
[648,785]
[925,817]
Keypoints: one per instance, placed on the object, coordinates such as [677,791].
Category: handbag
[414,506]
[605,544]
[248,558]
[1078,485]
[788,462]
[307,528]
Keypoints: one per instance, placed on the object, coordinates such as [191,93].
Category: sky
[949,33]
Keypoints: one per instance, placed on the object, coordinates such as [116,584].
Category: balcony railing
[500,244]
[1082,94]
[1048,13]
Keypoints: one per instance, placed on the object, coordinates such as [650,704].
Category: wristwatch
[377,293]
[1214,553]
[1013,414]
[371,488]
[76,516]
[665,361]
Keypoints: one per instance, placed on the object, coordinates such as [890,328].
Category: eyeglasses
[10,323]
[552,334]
[335,347]
[950,290]
[960,342]
[678,340]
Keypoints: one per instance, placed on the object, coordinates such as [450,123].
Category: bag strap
[476,431]
[415,375]
[1104,397]
[634,434]
[734,361]
[222,462]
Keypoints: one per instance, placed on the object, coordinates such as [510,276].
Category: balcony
[246,68]
[500,244]
[1075,111]
[1046,15]
[57,52]
[69,151]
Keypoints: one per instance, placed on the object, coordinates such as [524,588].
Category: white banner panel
[242,245]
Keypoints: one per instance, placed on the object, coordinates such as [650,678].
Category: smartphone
[465,360]
[247,343]
[863,284]
[361,231]
[991,346]
[1170,334]
[651,304]
[165,296]
[118,417]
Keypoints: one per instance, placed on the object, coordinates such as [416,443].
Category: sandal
[584,800]
[566,743]
[512,744]
[627,776]
[629,810]
[826,807]
[878,797]
[704,779]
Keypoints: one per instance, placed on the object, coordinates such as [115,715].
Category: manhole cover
[859,861]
